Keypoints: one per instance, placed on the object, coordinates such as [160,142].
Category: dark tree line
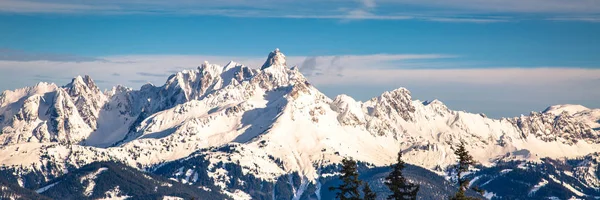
[397,183]
[401,188]
[349,189]
[465,161]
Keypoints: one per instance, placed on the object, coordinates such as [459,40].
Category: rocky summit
[239,132]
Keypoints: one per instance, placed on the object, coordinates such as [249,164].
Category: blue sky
[502,58]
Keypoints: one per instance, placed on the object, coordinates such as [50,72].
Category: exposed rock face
[549,127]
[276,58]
[273,121]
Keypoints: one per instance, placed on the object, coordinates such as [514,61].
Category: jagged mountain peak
[277,120]
[81,85]
[276,58]
[401,92]
[117,89]
[85,80]
[433,102]
[568,108]
[39,88]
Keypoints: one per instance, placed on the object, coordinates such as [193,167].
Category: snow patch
[489,195]
[43,189]
[537,187]
[89,181]
[172,198]
[505,171]
[568,108]
[568,186]
[238,195]
[114,194]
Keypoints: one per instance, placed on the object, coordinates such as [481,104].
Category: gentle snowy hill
[272,123]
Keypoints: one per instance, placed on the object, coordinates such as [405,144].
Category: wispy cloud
[156,68]
[19,55]
[468,20]
[375,69]
[594,19]
[152,74]
[308,66]
[362,76]
[490,76]
[456,11]
[138,81]
[363,15]
[352,15]
[335,65]
[26,6]
[368,3]
[49,79]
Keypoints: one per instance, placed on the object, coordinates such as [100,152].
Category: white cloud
[502,91]
[25,72]
[376,69]
[351,15]
[369,3]
[468,20]
[503,6]
[494,76]
[463,11]
[595,19]
[25,6]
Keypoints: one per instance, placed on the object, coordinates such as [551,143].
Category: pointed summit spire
[275,58]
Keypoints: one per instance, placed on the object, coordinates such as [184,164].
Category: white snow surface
[43,189]
[569,108]
[489,195]
[114,194]
[3,190]
[537,187]
[589,116]
[238,195]
[172,198]
[263,114]
[89,181]
[568,186]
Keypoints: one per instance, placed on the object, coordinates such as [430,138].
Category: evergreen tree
[349,189]
[400,187]
[465,160]
[368,193]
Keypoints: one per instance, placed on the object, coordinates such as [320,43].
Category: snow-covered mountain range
[270,121]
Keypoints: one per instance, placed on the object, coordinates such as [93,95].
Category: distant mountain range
[238,132]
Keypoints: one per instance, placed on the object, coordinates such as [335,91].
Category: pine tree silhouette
[368,193]
[397,183]
[349,189]
[465,160]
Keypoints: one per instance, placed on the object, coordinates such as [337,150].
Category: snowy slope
[273,121]
[589,116]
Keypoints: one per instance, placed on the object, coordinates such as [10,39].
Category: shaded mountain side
[432,185]
[561,179]
[269,132]
[110,180]
[196,170]
[9,191]
[29,178]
